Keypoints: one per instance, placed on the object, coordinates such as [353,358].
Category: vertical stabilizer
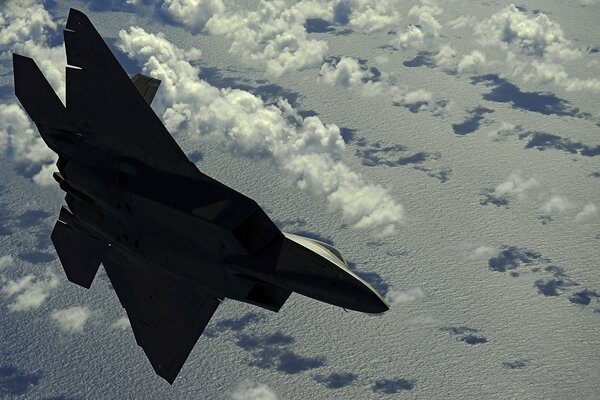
[37,96]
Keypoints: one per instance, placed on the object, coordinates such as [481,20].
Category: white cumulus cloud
[272,39]
[424,30]
[193,13]
[535,49]
[249,390]
[306,148]
[533,35]
[398,296]
[30,291]
[515,186]
[26,28]
[71,319]
[121,323]
[555,205]
[473,62]
[445,56]
[587,214]
[20,140]
[5,261]
[481,253]
[348,73]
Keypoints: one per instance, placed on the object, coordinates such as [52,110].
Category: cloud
[551,73]
[27,28]
[29,292]
[398,296]
[424,30]
[349,73]
[192,12]
[473,62]
[306,148]
[121,324]
[5,261]
[555,205]
[249,390]
[445,56]
[71,319]
[481,253]
[531,35]
[419,96]
[533,48]
[366,16]
[272,39]
[24,20]
[514,186]
[21,141]
[587,214]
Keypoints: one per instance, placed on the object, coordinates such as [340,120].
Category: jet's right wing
[167,313]
[104,102]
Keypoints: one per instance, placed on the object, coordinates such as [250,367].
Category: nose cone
[317,270]
[358,295]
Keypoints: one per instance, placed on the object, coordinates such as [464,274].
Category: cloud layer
[306,148]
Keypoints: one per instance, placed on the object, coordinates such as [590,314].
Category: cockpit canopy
[321,248]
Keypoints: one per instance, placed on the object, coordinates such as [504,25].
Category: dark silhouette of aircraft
[173,241]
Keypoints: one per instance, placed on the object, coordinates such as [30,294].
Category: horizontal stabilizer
[147,86]
[37,96]
[79,252]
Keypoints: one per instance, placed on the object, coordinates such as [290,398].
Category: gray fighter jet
[173,241]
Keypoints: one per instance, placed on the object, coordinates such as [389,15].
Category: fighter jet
[173,241]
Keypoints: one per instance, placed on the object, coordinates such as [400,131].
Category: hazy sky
[450,150]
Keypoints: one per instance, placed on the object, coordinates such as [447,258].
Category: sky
[449,150]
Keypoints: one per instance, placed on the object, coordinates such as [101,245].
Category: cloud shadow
[16,382]
[502,91]
[472,122]
[517,364]
[465,334]
[512,257]
[336,380]
[268,92]
[422,59]
[318,25]
[275,350]
[544,141]
[392,386]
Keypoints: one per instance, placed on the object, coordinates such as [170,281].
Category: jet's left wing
[167,313]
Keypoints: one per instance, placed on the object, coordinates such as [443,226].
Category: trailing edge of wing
[167,313]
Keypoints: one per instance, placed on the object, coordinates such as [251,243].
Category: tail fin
[37,96]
